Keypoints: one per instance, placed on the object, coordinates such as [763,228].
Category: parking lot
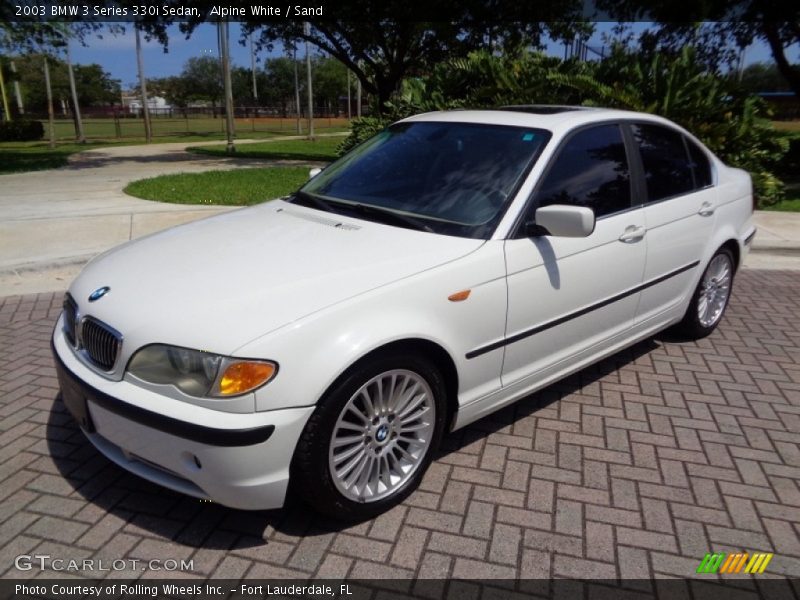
[633,468]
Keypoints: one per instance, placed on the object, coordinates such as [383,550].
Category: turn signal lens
[459,296]
[240,377]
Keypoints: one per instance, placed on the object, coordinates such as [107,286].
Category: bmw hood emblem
[99,293]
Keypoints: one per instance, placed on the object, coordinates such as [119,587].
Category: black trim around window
[82,392]
[578,313]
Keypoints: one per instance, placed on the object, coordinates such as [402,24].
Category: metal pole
[307,29]
[75,106]
[296,90]
[17,93]
[50,112]
[226,72]
[148,132]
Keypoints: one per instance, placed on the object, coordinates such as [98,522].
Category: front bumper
[238,460]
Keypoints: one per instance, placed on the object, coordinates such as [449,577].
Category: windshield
[450,178]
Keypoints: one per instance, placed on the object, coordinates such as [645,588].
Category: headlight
[200,373]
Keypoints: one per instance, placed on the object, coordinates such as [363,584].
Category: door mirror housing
[314,172]
[562,220]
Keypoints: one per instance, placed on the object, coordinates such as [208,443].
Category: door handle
[706,209]
[633,233]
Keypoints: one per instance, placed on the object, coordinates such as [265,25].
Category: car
[323,343]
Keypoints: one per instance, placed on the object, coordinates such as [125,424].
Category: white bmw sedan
[449,266]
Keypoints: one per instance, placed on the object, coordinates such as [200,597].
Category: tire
[710,298]
[370,440]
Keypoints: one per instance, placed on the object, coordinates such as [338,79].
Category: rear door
[679,201]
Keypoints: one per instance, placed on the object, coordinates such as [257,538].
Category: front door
[568,296]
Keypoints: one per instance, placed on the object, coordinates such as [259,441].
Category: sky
[116,54]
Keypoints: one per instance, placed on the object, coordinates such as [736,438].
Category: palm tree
[81,138]
[148,132]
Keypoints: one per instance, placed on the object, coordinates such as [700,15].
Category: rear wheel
[370,440]
[710,297]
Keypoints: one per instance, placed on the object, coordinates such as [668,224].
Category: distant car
[451,265]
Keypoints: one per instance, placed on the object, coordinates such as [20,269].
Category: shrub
[21,130]
[361,130]
[732,123]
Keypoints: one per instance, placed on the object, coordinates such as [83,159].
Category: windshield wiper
[314,201]
[389,216]
[385,215]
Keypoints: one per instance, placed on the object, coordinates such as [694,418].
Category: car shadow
[152,509]
[529,405]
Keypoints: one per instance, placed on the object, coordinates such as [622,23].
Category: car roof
[555,118]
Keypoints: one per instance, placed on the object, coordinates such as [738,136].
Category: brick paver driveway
[633,468]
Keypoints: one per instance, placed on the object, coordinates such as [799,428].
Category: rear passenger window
[590,170]
[667,169]
[700,165]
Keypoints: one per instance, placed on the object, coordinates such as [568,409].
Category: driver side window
[590,169]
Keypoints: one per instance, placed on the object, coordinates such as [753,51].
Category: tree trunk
[50,113]
[310,93]
[226,77]
[6,113]
[790,73]
[20,105]
[76,110]
[148,131]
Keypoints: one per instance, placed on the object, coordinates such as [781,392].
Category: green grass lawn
[789,205]
[238,187]
[323,148]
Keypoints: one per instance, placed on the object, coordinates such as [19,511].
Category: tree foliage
[763,77]
[733,124]
[718,29]
[95,87]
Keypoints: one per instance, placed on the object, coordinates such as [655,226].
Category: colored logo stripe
[733,563]
[758,563]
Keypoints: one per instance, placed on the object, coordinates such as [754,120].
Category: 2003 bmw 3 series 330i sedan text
[452,264]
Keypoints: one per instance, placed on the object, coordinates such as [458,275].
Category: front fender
[314,351]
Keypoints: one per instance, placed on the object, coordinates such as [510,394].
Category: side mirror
[314,172]
[562,220]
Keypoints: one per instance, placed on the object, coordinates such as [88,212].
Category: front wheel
[710,298]
[370,440]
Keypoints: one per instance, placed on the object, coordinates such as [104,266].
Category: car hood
[218,283]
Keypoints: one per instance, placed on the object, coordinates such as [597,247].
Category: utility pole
[307,29]
[148,132]
[50,116]
[81,138]
[226,75]
[17,93]
[296,90]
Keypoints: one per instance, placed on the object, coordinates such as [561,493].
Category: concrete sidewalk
[52,222]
